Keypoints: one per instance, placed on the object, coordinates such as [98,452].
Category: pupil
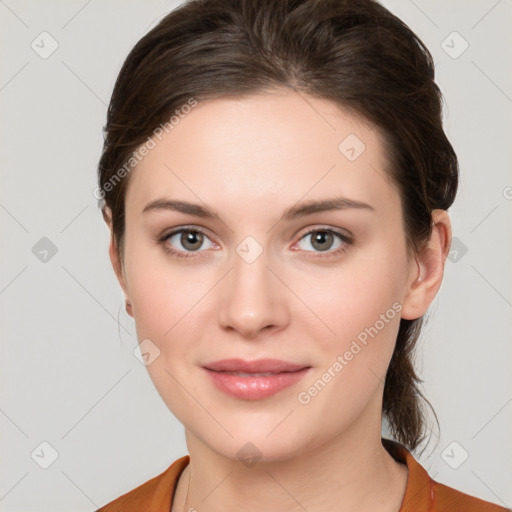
[191,237]
[321,237]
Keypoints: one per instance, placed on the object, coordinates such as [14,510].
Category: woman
[276,179]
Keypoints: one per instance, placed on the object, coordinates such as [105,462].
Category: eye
[191,240]
[322,240]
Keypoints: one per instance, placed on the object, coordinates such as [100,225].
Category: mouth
[254,380]
[243,374]
[270,366]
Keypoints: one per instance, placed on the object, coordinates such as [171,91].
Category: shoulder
[424,494]
[447,499]
[155,494]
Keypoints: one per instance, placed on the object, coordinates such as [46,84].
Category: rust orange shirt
[422,493]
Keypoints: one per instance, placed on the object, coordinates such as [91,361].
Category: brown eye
[326,241]
[322,240]
[191,240]
[185,241]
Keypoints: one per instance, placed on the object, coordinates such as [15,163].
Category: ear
[428,268]
[115,259]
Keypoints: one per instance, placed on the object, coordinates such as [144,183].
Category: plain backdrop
[69,378]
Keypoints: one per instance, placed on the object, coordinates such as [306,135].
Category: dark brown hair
[353,52]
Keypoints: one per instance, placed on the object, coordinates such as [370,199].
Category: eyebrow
[296,211]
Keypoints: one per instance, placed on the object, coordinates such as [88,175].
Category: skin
[249,159]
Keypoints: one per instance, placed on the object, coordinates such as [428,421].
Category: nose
[252,299]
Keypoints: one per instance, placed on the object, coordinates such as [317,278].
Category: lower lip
[255,388]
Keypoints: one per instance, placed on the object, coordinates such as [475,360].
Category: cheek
[352,362]
[353,296]
[166,301]
[163,293]
[153,304]
[360,312]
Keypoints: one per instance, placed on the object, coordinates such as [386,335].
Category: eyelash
[347,241]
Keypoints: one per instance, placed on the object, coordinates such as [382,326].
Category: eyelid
[319,227]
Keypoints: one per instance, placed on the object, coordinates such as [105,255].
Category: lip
[225,374]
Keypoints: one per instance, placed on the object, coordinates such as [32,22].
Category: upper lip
[256,366]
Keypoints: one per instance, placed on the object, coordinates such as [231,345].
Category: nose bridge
[252,297]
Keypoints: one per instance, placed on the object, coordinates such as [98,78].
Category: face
[264,277]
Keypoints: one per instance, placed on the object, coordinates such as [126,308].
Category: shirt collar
[420,487]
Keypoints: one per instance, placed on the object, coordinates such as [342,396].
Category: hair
[354,53]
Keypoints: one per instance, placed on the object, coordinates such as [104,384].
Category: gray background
[68,374]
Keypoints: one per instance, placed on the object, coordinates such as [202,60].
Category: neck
[351,472]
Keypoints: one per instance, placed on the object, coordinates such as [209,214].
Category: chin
[251,443]
[257,449]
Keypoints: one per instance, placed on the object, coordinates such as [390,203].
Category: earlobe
[427,278]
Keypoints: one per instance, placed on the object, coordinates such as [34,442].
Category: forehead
[263,150]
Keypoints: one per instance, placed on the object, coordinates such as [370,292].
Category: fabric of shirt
[422,493]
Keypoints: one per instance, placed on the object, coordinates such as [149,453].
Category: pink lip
[284,374]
